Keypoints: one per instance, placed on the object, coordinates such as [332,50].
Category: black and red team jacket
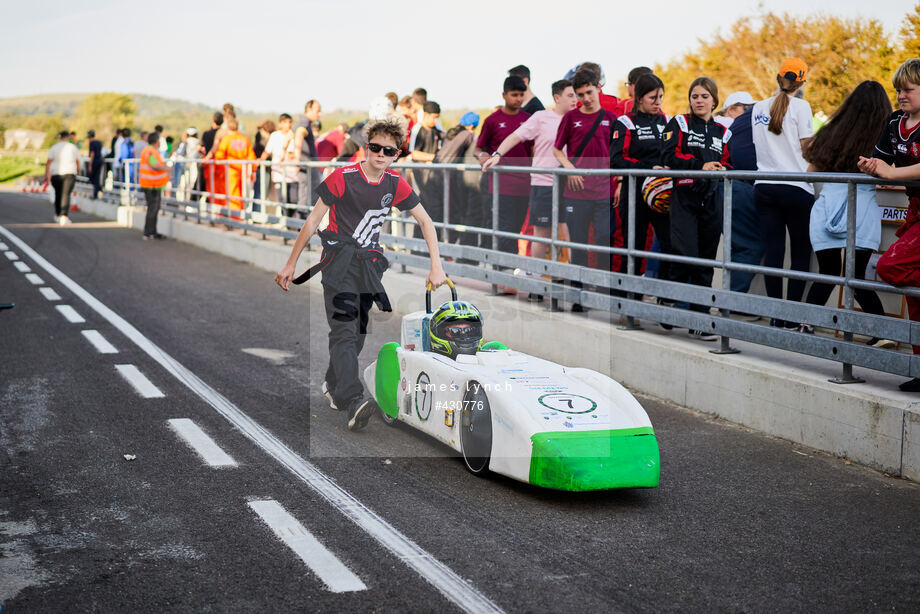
[637,141]
[690,142]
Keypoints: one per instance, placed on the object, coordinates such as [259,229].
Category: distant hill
[66,104]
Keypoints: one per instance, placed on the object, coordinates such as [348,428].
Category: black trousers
[784,207]
[830,262]
[661,223]
[63,186]
[512,211]
[696,224]
[153,196]
[579,215]
[347,314]
[95,177]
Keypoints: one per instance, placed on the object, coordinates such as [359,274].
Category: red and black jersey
[690,142]
[637,140]
[358,207]
[899,146]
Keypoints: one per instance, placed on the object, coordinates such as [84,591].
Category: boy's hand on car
[435,278]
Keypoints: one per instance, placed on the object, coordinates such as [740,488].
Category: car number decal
[568,403]
[423,395]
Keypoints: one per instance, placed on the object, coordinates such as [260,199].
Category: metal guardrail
[618,293]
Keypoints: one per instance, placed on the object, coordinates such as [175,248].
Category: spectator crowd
[586,128]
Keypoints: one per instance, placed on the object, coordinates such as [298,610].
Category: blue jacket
[828,227]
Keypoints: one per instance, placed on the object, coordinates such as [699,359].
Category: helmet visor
[463,332]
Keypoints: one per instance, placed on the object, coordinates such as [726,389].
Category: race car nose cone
[595,460]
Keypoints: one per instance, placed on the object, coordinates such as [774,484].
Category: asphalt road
[741,522]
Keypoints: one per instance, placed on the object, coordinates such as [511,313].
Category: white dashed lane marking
[3,247]
[99,342]
[446,581]
[71,314]
[139,381]
[35,279]
[50,294]
[199,441]
[330,570]
[22,267]
[12,255]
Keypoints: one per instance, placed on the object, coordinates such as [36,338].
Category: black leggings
[784,207]
[829,263]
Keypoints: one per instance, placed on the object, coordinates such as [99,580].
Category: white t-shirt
[541,128]
[63,156]
[722,120]
[782,153]
[275,146]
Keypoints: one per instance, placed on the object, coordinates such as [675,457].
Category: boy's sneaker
[805,328]
[703,336]
[911,385]
[361,411]
[328,396]
[887,344]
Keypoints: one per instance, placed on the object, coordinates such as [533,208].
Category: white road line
[99,342]
[4,247]
[22,267]
[330,570]
[71,314]
[11,255]
[50,294]
[199,441]
[440,576]
[35,279]
[144,386]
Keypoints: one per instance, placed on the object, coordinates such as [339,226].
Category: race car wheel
[388,419]
[476,429]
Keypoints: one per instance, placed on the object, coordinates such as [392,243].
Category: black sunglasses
[387,151]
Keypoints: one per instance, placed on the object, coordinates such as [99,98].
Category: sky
[275,56]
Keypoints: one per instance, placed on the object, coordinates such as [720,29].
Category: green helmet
[455,328]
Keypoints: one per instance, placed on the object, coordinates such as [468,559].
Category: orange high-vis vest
[150,178]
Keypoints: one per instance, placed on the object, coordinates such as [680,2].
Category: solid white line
[12,255]
[99,342]
[199,441]
[21,266]
[144,386]
[330,570]
[71,314]
[433,571]
[35,279]
[50,294]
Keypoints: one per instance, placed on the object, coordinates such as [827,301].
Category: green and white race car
[511,413]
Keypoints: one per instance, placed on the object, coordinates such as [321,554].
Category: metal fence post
[725,343]
[846,376]
[630,323]
[495,200]
[554,236]
[446,208]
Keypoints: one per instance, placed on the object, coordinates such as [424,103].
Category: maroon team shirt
[358,207]
[495,129]
[572,130]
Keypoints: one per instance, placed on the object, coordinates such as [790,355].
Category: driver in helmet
[455,328]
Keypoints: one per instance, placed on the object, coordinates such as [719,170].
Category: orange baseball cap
[793,69]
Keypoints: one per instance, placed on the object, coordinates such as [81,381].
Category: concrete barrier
[780,393]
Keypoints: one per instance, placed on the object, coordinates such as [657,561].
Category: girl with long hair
[694,141]
[637,141]
[850,133]
[781,126]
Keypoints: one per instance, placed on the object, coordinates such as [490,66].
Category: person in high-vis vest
[235,146]
[153,178]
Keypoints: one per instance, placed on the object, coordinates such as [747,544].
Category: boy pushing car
[358,199]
